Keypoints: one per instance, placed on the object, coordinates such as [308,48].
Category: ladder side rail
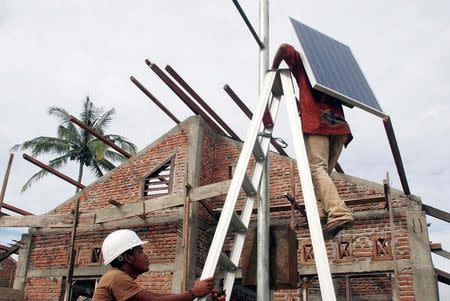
[249,203]
[235,185]
[315,228]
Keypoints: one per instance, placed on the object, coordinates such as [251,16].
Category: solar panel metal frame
[346,99]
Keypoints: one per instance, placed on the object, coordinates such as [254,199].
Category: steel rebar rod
[249,25]
[201,102]
[249,114]
[52,171]
[154,99]
[99,136]
[5,180]
[294,203]
[396,153]
[184,97]
[16,210]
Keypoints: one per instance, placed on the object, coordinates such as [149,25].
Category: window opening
[159,181]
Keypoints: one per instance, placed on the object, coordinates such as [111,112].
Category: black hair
[118,261]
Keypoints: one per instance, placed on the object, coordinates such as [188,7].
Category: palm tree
[78,145]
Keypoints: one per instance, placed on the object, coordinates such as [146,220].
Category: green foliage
[76,144]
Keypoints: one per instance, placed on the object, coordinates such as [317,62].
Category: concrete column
[425,284]
[23,262]
[194,154]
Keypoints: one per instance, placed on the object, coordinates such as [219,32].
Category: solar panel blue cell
[332,69]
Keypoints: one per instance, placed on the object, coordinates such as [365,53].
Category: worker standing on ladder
[325,133]
[123,250]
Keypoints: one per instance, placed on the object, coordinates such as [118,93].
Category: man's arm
[279,56]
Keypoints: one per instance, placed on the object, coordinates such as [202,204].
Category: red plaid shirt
[320,114]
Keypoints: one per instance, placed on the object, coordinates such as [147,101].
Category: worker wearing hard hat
[123,250]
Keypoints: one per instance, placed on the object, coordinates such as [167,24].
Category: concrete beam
[60,220]
[91,271]
[367,266]
[209,191]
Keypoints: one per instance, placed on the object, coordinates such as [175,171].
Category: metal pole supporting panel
[263,223]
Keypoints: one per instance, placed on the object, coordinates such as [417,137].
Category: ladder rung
[225,261]
[258,151]
[248,186]
[237,224]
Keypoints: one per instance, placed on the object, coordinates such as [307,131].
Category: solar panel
[333,70]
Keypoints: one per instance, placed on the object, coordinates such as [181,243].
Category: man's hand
[203,287]
[219,296]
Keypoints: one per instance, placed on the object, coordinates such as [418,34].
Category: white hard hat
[118,242]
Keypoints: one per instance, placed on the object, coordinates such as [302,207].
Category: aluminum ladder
[277,83]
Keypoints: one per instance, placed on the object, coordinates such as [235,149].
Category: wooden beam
[437,213]
[16,210]
[387,197]
[12,250]
[5,180]
[71,259]
[37,221]
[437,249]
[442,276]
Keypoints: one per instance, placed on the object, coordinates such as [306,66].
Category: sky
[59,52]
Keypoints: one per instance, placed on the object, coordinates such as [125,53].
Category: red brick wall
[38,288]
[7,272]
[50,250]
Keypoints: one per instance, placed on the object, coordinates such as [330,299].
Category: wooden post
[387,194]
[5,180]
[185,243]
[71,252]
[348,288]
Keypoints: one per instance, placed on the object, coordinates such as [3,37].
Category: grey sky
[58,52]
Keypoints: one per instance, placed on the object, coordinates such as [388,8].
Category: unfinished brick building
[148,194]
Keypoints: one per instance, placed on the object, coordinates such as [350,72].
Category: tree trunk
[80,176]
